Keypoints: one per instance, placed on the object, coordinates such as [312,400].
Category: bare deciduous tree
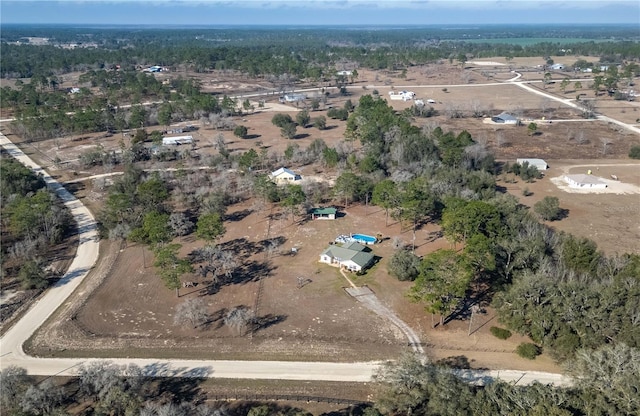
[397,243]
[588,108]
[606,142]
[501,141]
[42,399]
[477,108]
[465,76]
[453,110]
[180,224]
[581,137]
[14,381]
[545,105]
[239,319]
[191,311]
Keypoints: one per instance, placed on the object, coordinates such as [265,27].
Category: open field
[320,321]
[317,322]
[611,220]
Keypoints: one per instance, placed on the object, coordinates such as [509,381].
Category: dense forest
[302,52]
[33,221]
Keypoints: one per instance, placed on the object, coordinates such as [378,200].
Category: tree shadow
[179,389]
[252,136]
[251,271]
[562,214]
[301,136]
[274,242]
[75,187]
[501,189]
[216,319]
[460,362]
[241,247]
[238,215]
[266,321]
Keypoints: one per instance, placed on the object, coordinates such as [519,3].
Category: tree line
[312,53]
[606,383]
[33,222]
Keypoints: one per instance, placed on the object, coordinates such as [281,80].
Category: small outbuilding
[328,213]
[505,118]
[540,164]
[582,181]
[177,140]
[352,256]
[284,176]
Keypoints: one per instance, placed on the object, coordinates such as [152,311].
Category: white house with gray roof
[351,256]
[283,176]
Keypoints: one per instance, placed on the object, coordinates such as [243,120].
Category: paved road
[12,353]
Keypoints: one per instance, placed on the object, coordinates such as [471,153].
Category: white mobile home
[177,140]
[538,163]
[292,98]
[402,95]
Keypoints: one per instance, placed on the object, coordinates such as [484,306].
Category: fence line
[284,397]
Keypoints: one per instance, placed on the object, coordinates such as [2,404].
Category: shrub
[528,350]
[404,265]
[634,153]
[526,192]
[549,208]
[500,333]
[240,131]
[281,120]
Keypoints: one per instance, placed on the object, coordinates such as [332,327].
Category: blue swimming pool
[362,238]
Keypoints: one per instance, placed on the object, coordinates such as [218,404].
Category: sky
[318,12]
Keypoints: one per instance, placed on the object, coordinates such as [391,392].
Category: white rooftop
[281,171]
[586,179]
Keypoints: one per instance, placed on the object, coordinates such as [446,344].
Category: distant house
[283,176]
[538,163]
[155,68]
[352,256]
[557,67]
[177,140]
[74,90]
[505,118]
[292,98]
[344,73]
[402,95]
[328,213]
[583,181]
